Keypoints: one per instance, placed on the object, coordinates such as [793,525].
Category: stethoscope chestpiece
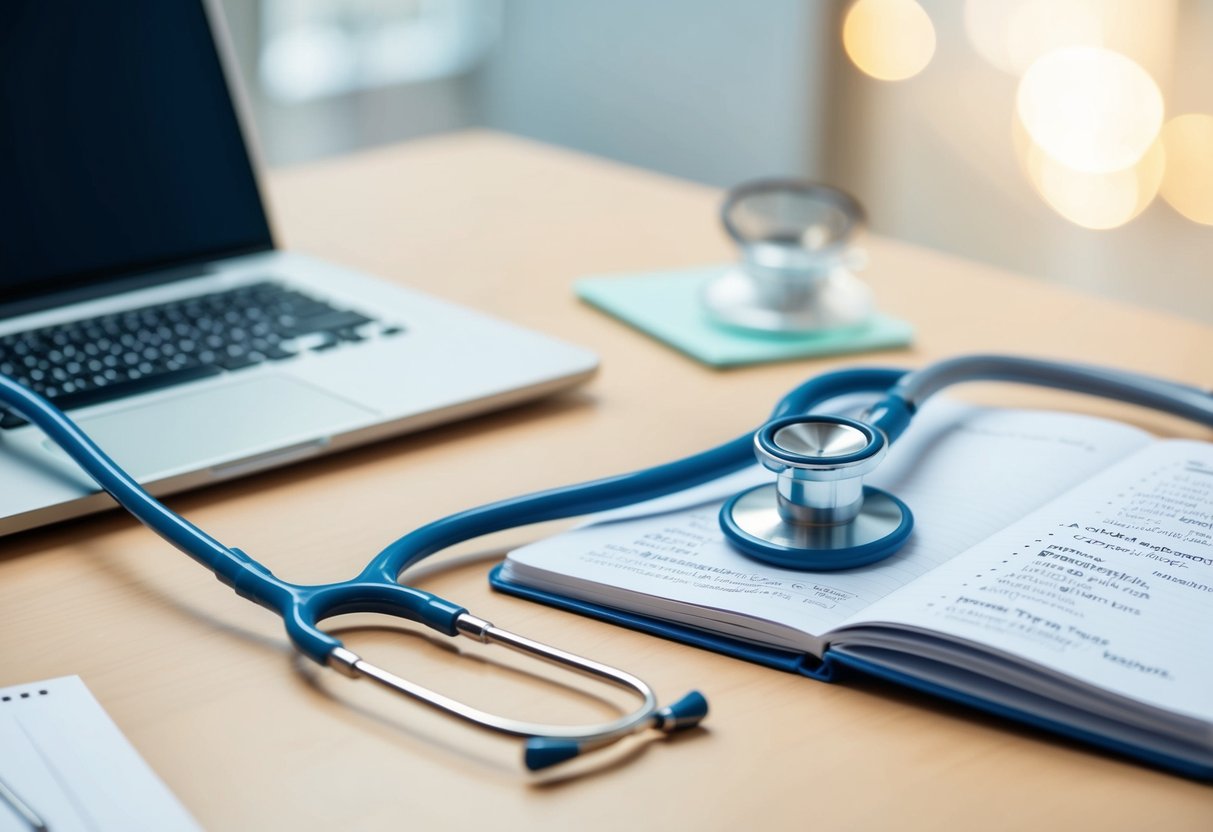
[821,461]
[818,514]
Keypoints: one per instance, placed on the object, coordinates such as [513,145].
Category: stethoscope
[796,275]
[817,515]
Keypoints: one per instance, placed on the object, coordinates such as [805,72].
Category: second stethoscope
[796,275]
[817,515]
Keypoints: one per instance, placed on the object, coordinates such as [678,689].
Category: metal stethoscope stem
[820,462]
[547,743]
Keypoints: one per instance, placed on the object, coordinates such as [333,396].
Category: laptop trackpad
[258,418]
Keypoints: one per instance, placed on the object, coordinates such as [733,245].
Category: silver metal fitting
[344,662]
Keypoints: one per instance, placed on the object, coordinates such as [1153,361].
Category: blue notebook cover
[833,666]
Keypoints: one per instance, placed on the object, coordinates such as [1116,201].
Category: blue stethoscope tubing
[377,588]
[788,526]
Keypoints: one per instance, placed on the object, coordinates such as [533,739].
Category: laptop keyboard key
[114,355]
[65,400]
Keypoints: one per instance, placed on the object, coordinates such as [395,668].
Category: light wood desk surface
[205,686]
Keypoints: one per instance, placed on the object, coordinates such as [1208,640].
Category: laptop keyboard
[100,359]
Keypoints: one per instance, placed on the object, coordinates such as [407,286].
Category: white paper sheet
[1112,584]
[66,759]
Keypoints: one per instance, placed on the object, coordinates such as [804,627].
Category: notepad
[1060,572]
[68,762]
[667,306]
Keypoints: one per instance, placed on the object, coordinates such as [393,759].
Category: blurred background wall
[724,90]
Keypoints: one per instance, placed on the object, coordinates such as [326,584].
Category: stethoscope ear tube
[1181,400]
[546,744]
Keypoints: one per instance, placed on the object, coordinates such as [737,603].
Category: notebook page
[965,472]
[68,762]
[1111,584]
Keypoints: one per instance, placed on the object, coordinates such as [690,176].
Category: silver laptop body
[415,361]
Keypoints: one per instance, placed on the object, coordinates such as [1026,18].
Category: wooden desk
[206,687]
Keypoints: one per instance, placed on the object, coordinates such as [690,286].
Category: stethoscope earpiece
[818,514]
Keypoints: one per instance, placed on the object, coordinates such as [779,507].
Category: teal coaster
[666,305]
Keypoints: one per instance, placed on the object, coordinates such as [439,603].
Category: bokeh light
[1188,183]
[1092,110]
[1011,34]
[888,39]
[1093,200]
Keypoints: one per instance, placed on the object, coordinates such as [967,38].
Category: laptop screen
[119,146]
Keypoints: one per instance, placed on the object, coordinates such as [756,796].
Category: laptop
[141,290]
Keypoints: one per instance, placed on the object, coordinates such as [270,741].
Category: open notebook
[1060,572]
